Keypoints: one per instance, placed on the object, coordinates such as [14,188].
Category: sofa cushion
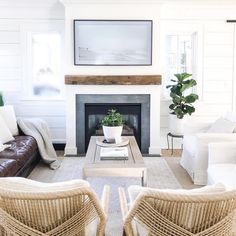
[22,148]
[224,173]
[5,134]
[8,114]
[189,143]
[8,167]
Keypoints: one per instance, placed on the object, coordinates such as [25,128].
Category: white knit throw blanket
[38,129]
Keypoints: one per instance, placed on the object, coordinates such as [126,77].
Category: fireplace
[140,89]
[90,109]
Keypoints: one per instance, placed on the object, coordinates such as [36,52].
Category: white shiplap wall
[218,47]
[14,15]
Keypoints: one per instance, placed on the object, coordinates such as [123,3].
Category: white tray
[124,142]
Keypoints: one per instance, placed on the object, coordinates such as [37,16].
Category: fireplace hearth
[91,108]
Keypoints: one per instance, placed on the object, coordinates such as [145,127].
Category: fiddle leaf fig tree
[1,100]
[182,104]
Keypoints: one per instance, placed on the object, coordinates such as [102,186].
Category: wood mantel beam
[113,79]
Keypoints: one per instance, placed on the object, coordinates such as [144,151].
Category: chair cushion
[28,185]
[224,173]
[8,114]
[222,125]
[5,134]
[134,190]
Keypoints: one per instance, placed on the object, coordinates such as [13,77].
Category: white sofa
[222,164]
[195,148]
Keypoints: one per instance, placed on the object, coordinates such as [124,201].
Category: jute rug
[159,176]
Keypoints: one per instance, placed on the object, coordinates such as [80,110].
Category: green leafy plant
[181,104]
[1,100]
[112,118]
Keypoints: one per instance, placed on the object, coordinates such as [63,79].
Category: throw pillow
[231,116]
[8,114]
[222,125]
[5,133]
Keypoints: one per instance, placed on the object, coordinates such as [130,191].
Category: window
[180,55]
[46,64]
[43,60]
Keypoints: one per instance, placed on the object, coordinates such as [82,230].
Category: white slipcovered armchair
[195,148]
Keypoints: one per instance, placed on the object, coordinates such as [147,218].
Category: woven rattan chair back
[57,213]
[168,214]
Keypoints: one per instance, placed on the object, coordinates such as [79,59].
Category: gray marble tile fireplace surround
[83,99]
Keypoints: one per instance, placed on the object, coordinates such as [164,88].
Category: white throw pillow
[8,114]
[5,133]
[222,125]
[231,116]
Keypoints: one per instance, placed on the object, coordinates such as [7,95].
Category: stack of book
[114,153]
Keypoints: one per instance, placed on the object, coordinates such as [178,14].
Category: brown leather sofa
[20,158]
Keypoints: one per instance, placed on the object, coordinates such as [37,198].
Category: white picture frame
[113,42]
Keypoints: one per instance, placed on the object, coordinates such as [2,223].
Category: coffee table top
[134,159]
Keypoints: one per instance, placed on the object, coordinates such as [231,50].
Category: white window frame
[234,73]
[27,30]
[183,28]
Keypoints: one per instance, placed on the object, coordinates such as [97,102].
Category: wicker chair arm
[123,202]
[105,198]
[131,228]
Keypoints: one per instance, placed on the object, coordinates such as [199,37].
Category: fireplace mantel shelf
[113,79]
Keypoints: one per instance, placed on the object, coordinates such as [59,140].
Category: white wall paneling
[16,15]
[217,51]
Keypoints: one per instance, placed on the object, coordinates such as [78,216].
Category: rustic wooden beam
[113,79]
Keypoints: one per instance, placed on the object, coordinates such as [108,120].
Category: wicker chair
[30,208]
[156,212]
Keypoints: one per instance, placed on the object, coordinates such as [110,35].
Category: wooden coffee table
[133,167]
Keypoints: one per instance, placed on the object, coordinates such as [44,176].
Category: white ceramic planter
[112,133]
[176,125]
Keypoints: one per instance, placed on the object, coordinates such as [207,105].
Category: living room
[49,76]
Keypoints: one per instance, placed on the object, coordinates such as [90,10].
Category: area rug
[159,175]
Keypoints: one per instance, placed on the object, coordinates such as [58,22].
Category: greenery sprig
[112,118]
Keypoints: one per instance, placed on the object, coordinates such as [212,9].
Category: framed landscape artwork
[112,42]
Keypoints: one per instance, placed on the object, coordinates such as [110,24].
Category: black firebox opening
[94,112]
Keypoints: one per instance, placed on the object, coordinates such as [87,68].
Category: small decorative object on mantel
[112,125]
[181,103]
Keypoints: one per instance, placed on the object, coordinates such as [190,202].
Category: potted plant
[182,103]
[1,100]
[112,125]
